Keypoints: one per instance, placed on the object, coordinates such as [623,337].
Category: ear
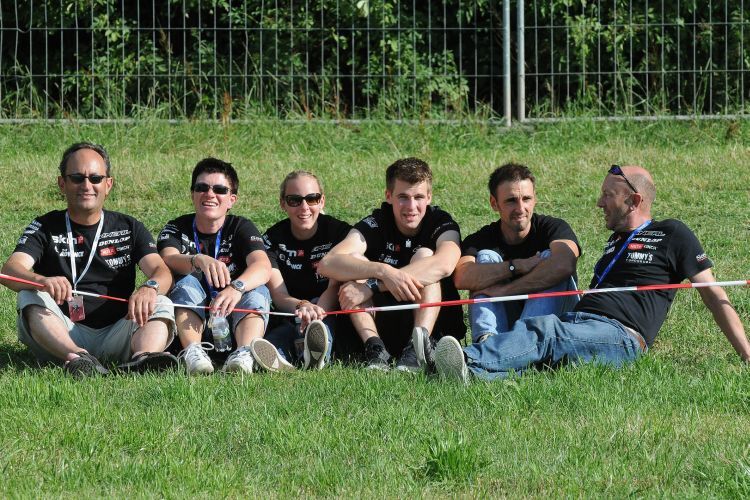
[110,184]
[61,183]
[232,200]
[635,201]
[388,196]
[322,203]
[493,204]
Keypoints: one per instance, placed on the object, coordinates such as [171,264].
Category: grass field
[673,424]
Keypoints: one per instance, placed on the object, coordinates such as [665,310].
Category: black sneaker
[408,360]
[424,347]
[150,361]
[377,357]
[85,365]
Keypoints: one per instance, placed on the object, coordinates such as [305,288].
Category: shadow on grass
[16,358]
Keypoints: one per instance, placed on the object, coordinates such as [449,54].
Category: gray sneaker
[450,361]
[424,348]
[268,357]
[408,361]
[316,345]
[196,360]
[240,361]
[85,365]
[377,357]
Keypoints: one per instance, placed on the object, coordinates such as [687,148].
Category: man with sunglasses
[78,254]
[219,261]
[608,328]
[522,252]
[405,251]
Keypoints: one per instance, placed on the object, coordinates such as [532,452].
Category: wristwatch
[238,285]
[372,284]
[512,269]
[151,284]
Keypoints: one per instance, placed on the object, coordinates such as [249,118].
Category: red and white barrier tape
[447,303]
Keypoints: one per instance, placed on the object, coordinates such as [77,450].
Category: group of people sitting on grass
[216,290]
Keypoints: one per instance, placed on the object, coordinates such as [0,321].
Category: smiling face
[210,206]
[514,201]
[304,217]
[409,202]
[615,202]
[85,198]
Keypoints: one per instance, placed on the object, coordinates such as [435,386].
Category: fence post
[506,62]
[520,64]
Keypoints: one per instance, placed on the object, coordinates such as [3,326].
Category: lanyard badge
[76,312]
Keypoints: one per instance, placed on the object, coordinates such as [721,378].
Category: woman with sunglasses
[219,261]
[295,245]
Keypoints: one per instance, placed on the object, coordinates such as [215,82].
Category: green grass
[673,424]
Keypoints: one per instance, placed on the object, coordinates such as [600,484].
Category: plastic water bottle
[220,331]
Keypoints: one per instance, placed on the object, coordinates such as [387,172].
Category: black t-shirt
[123,242]
[386,244]
[239,237]
[298,259]
[544,229]
[665,252]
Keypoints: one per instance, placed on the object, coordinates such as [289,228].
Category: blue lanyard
[217,245]
[619,254]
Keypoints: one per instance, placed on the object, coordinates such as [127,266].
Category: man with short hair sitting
[88,249]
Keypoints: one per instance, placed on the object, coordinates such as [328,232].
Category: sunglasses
[617,170]
[79,178]
[295,200]
[202,187]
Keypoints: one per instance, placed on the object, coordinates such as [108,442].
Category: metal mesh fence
[441,60]
[309,59]
[610,58]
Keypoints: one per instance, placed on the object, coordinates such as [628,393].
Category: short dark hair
[84,145]
[510,172]
[215,166]
[411,170]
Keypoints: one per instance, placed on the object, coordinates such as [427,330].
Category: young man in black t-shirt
[404,252]
[93,251]
[521,253]
[608,328]
[219,261]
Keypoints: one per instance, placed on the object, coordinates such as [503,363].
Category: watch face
[152,284]
[238,285]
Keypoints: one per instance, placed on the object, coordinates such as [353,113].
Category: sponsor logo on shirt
[635,246]
[701,257]
[640,257]
[107,251]
[370,221]
[393,247]
[300,253]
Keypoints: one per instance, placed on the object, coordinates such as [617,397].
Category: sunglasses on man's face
[295,200]
[79,178]
[202,187]
[617,170]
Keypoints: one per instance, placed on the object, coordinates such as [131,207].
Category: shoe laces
[241,354]
[195,351]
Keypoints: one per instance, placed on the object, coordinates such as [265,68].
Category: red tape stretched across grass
[448,303]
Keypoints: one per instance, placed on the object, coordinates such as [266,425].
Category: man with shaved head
[608,328]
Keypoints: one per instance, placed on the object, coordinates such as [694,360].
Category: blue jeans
[190,291]
[491,318]
[284,336]
[551,340]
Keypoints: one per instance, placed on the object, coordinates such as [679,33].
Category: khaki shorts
[111,343]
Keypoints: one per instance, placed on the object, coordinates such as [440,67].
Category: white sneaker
[268,357]
[316,345]
[240,361]
[450,361]
[196,360]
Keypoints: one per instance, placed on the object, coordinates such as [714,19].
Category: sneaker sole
[267,356]
[418,341]
[449,360]
[408,369]
[316,346]
[201,370]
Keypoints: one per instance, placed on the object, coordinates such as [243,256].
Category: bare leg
[189,326]
[151,337]
[50,333]
[250,327]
